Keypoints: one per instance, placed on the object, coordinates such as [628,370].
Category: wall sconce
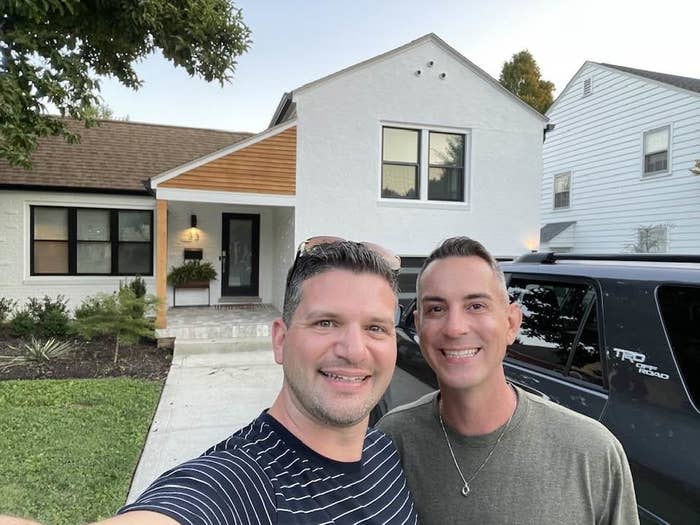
[193,221]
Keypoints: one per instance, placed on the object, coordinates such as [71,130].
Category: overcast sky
[298,41]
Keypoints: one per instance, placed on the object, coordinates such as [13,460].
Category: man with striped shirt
[310,458]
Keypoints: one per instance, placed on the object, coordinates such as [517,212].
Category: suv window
[560,328]
[680,310]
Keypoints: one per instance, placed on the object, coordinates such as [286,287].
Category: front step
[209,332]
[222,346]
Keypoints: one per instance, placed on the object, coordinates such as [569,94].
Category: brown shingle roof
[115,155]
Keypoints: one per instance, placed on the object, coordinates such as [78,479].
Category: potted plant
[192,274]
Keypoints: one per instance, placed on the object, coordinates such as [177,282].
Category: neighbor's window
[87,241]
[400,163]
[446,167]
[652,239]
[656,146]
[406,174]
[562,191]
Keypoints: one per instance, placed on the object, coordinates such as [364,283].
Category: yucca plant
[36,351]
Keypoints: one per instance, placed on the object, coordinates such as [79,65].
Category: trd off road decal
[638,360]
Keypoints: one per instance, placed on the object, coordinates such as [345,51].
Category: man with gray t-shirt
[480,450]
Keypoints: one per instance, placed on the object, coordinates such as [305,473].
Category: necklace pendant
[466,490]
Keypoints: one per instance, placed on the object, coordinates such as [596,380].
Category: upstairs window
[88,241]
[423,164]
[400,163]
[656,147]
[562,191]
[446,167]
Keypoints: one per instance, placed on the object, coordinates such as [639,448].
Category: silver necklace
[466,489]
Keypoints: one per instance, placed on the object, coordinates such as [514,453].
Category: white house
[617,164]
[404,149]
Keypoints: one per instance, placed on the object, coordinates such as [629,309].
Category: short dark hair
[341,255]
[461,247]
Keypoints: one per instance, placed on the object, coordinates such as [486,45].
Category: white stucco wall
[339,155]
[15,279]
[209,223]
[283,255]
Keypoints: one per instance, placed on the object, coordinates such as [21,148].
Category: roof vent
[587,87]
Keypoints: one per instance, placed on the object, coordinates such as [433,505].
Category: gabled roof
[414,43]
[116,156]
[691,84]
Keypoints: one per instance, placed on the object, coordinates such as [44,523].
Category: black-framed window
[559,332]
[446,167]
[91,241]
[400,163]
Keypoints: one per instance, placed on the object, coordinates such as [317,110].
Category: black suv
[615,337]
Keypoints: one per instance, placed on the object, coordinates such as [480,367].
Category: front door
[240,254]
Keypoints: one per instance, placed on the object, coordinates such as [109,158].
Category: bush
[22,324]
[121,315]
[50,316]
[138,286]
[6,307]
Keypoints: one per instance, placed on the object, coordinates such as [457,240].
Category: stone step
[218,331]
[221,346]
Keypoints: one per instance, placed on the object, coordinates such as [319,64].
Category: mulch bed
[93,359]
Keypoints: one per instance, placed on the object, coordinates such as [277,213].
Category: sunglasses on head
[393,260]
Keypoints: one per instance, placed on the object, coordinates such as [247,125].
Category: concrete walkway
[213,389]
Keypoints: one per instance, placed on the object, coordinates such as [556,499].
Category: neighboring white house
[617,164]
[404,149]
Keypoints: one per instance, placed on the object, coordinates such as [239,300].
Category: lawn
[68,448]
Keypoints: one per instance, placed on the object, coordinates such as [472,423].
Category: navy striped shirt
[263,474]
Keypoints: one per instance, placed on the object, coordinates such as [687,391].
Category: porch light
[193,221]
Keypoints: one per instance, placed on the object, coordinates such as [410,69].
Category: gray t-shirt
[552,467]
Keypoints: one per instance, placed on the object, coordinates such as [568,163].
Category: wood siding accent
[599,140]
[268,166]
[162,262]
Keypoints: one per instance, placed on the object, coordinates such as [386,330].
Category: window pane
[51,224]
[400,145]
[94,257]
[135,226]
[93,225]
[561,183]
[680,309]
[655,141]
[561,200]
[656,162]
[552,313]
[445,184]
[587,364]
[399,182]
[446,149]
[135,258]
[50,257]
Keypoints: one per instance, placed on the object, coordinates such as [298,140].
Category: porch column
[162,262]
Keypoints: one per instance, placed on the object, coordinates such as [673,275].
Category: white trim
[225,197]
[669,167]
[270,132]
[554,191]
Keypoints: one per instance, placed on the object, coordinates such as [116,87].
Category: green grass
[68,448]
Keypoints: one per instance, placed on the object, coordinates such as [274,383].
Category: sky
[298,41]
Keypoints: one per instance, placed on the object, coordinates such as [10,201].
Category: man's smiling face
[464,322]
[339,349]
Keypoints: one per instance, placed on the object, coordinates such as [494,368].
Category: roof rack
[551,257]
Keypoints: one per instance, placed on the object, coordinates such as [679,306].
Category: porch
[218,324]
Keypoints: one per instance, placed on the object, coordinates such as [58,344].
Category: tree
[521,76]
[51,52]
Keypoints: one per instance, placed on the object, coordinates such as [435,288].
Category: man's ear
[515,318]
[279,334]
[416,320]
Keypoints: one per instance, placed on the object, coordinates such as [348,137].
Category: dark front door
[240,253]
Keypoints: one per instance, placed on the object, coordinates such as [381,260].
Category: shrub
[138,286]
[191,271]
[22,324]
[121,315]
[50,316]
[6,307]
